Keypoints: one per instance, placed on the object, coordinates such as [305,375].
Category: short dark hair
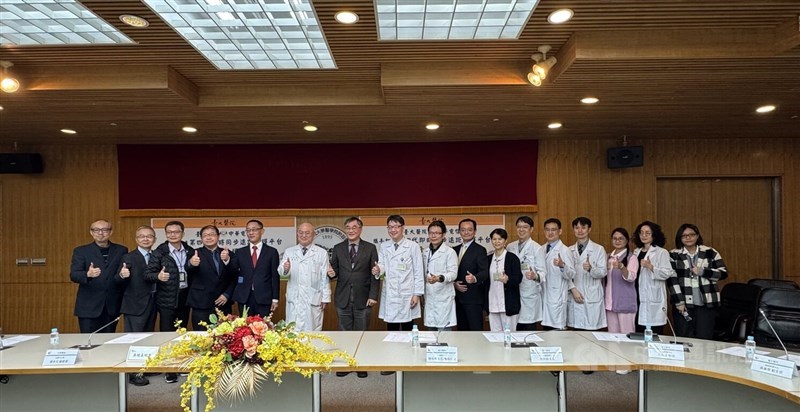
[524,219]
[499,231]
[175,223]
[260,225]
[658,235]
[624,232]
[474,223]
[439,224]
[204,228]
[354,219]
[552,220]
[679,235]
[583,221]
[396,218]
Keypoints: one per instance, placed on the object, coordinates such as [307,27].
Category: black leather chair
[734,317]
[773,283]
[782,307]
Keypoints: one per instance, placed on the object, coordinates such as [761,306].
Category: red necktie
[255,255]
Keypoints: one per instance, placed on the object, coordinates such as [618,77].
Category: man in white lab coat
[441,268]
[587,306]
[308,290]
[400,267]
[530,290]
[556,268]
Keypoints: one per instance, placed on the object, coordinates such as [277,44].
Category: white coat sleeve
[323,275]
[662,268]
[419,275]
[451,260]
[599,264]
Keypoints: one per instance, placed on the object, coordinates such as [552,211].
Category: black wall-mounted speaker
[628,156]
[21,163]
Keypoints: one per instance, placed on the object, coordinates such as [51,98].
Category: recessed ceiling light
[432,126]
[346,17]
[560,16]
[310,128]
[2,108]
[589,100]
[189,129]
[554,125]
[765,109]
[68,131]
[134,21]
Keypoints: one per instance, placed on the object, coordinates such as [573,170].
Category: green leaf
[213,318]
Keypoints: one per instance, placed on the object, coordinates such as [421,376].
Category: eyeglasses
[253,230]
[466,229]
[101,230]
[349,228]
[145,237]
[643,233]
[394,226]
[618,239]
[434,233]
[688,235]
[174,232]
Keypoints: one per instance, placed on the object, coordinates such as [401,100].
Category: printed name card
[665,351]
[60,357]
[774,366]
[139,354]
[547,354]
[441,354]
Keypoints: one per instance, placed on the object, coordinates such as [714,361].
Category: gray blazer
[356,277]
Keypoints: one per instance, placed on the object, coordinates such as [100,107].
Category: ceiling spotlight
[560,16]
[589,100]
[432,126]
[765,109]
[68,131]
[8,84]
[541,68]
[310,128]
[554,125]
[534,79]
[134,21]
[189,129]
[346,17]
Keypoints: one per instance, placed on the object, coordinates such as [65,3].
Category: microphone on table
[674,334]
[437,343]
[89,345]
[774,333]
[524,343]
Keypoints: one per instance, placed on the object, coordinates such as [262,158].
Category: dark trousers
[351,318]
[168,316]
[199,315]
[146,322]
[400,326]
[253,307]
[89,325]
[701,326]
[469,316]
[526,326]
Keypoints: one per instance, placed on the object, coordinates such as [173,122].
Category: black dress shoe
[386,373]
[138,380]
[361,374]
[340,374]
[588,372]
[171,377]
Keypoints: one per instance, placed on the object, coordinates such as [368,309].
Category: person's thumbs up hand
[163,275]
[195,260]
[125,272]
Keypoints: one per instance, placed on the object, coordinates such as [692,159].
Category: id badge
[525,267]
[401,267]
[182,277]
[241,279]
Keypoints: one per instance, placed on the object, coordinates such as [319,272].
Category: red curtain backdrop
[310,176]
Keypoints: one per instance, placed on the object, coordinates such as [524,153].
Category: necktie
[580,248]
[461,253]
[216,260]
[352,253]
[255,255]
[549,247]
[147,258]
[519,248]
[396,245]
[305,249]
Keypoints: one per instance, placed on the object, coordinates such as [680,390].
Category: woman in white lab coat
[441,269]
[654,269]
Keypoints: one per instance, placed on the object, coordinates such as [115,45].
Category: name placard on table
[665,351]
[441,354]
[774,366]
[139,354]
[60,357]
[547,354]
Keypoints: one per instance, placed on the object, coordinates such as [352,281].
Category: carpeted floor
[600,391]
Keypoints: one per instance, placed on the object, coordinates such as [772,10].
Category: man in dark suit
[93,269]
[255,268]
[473,272]
[138,302]
[210,282]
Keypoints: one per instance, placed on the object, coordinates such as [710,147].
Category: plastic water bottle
[506,336]
[415,337]
[750,349]
[648,334]
[55,340]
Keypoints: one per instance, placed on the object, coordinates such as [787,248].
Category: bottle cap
[54,330]
[749,337]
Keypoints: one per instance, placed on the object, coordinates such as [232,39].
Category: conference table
[486,375]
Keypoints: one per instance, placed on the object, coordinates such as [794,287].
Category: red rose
[241,332]
[236,348]
[256,318]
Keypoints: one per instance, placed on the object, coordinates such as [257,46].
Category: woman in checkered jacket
[694,292]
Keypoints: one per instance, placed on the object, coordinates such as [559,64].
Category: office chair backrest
[782,307]
[773,283]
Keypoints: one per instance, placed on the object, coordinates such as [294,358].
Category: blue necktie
[216,260]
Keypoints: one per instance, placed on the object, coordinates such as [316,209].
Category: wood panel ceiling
[676,68]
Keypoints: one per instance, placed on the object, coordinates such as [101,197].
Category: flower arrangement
[236,354]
